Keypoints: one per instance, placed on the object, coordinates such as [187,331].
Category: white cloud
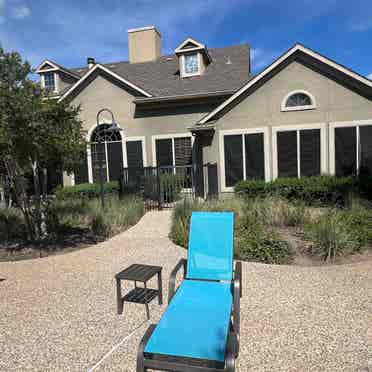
[261,58]
[369,76]
[21,12]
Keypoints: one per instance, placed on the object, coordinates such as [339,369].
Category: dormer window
[50,81]
[193,57]
[191,64]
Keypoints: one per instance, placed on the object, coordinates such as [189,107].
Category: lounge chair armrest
[173,275]
[238,277]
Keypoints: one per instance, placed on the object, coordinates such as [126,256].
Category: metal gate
[163,187]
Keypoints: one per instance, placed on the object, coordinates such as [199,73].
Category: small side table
[139,295]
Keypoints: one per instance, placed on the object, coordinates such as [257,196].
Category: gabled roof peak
[189,44]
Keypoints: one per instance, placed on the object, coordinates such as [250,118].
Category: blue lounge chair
[199,331]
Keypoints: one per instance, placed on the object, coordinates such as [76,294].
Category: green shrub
[12,225]
[87,190]
[117,215]
[311,190]
[254,245]
[274,211]
[332,236]
[171,185]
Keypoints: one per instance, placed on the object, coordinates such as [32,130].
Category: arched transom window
[299,100]
[106,146]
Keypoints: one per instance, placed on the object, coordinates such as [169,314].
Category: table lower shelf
[141,295]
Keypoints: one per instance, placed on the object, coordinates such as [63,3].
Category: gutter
[183,97]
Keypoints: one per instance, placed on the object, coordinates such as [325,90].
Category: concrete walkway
[59,313]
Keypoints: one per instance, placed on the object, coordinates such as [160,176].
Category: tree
[35,133]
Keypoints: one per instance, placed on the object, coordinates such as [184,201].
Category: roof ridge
[107,64]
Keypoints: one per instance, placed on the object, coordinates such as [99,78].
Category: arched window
[299,100]
[106,146]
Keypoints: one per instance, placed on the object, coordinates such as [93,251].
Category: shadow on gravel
[71,240]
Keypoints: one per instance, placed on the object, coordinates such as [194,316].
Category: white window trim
[183,67]
[297,128]
[222,133]
[284,108]
[332,150]
[56,81]
[133,139]
[168,136]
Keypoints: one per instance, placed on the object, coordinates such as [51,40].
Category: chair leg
[140,357]
[230,354]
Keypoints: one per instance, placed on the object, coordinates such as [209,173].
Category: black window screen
[183,151]
[98,153]
[164,156]
[134,154]
[365,134]
[233,147]
[115,160]
[254,156]
[345,151]
[287,154]
[310,152]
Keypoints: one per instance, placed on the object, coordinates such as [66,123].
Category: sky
[69,31]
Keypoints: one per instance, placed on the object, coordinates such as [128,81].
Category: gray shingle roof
[228,71]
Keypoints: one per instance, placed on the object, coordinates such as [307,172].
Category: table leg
[160,289]
[118,297]
[147,305]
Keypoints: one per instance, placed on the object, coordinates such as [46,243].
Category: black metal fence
[163,187]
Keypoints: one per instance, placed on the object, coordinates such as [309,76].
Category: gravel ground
[59,313]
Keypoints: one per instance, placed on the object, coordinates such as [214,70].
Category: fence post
[160,203]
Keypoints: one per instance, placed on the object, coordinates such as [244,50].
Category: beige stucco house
[303,115]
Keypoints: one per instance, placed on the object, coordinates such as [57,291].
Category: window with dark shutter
[164,152]
[233,147]
[365,135]
[183,151]
[134,154]
[115,160]
[310,152]
[254,156]
[345,151]
[287,154]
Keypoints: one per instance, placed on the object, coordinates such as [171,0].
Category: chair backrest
[211,246]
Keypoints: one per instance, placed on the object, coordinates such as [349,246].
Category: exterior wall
[101,93]
[64,81]
[334,103]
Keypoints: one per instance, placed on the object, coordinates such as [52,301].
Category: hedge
[322,189]
[87,190]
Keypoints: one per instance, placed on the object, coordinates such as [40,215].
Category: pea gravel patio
[59,313]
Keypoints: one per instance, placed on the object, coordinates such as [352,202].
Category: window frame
[242,132]
[135,139]
[284,107]
[55,75]
[172,137]
[183,65]
[332,146]
[298,128]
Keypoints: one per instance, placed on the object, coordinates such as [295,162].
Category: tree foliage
[36,133]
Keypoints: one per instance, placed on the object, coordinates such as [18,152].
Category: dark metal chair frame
[147,361]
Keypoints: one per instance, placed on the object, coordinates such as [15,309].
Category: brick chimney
[144,44]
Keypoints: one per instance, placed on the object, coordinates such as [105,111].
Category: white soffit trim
[54,68]
[198,45]
[109,72]
[297,47]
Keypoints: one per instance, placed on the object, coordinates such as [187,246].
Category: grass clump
[12,226]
